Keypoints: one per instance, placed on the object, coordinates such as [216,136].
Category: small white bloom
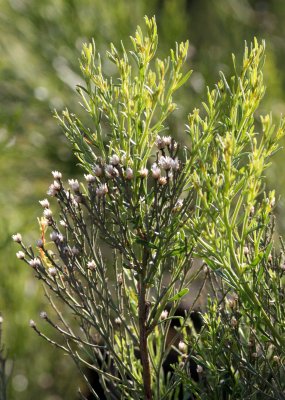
[175,164]
[102,190]
[52,271]
[167,140]
[160,143]
[43,314]
[54,236]
[35,262]
[165,162]
[199,369]
[111,171]
[245,250]
[155,171]
[63,223]
[17,238]
[114,159]
[47,213]
[32,323]
[182,347]
[20,255]
[97,170]
[74,184]
[54,189]
[129,173]
[164,315]
[234,322]
[90,178]
[118,321]
[56,174]
[74,250]
[91,265]
[143,172]
[44,203]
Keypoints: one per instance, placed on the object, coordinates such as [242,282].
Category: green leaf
[179,295]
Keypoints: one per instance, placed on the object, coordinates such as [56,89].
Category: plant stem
[143,313]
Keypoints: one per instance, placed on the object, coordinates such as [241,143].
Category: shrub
[156,216]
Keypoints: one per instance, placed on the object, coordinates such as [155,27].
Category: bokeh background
[40,43]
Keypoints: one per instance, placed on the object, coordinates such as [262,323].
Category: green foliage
[160,208]
[38,72]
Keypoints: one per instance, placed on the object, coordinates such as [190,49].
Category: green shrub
[156,216]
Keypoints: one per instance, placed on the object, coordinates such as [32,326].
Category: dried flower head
[111,172]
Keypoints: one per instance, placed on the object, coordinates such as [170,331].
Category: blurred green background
[40,43]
